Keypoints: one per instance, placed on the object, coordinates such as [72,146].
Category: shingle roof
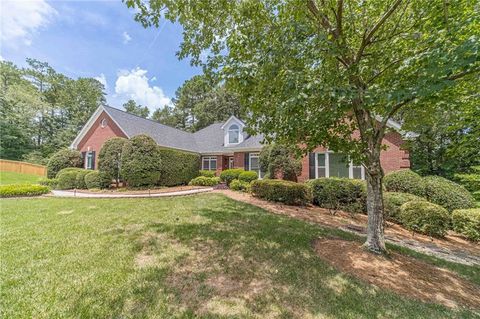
[207,140]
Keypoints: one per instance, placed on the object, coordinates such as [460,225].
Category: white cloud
[126,37]
[134,85]
[21,19]
[102,79]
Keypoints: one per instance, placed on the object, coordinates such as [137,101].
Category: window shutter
[84,155]
[93,159]
[311,165]
[247,161]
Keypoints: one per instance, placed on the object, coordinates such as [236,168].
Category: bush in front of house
[178,167]
[280,161]
[23,190]
[141,161]
[425,218]
[405,181]
[110,158]
[80,180]
[206,173]
[248,176]
[63,159]
[97,179]
[240,185]
[229,175]
[204,181]
[467,223]
[290,193]
[50,182]
[448,194]
[345,194]
[67,177]
[392,201]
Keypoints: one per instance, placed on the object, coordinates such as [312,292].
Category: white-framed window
[233,134]
[209,163]
[89,160]
[329,164]
[254,163]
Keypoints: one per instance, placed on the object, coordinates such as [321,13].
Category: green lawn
[204,255]
[17,178]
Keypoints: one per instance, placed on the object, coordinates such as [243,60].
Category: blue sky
[97,39]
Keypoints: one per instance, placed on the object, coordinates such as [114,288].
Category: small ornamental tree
[280,161]
[141,162]
[314,72]
[63,159]
[110,158]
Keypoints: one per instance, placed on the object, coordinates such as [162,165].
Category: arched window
[233,134]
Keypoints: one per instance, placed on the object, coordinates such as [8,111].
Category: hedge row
[71,177]
[177,167]
[467,223]
[290,193]
[23,190]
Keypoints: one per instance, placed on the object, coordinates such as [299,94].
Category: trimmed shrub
[23,190]
[67,177]
[97,179]
[229,175]
[280,161]
[345,194]
[287,192]
[424,217]
[448,194]
[239,185]
[248,176]
[80,180]
[206,173]
[204,181]
[63,159]
[178,167]
[467,223]
[141,161]
[392,202]
[50,182]
[404,181]
[110,158]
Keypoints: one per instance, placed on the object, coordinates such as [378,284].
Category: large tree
[314,71]
[132,107]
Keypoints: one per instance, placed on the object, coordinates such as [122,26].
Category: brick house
[224,145]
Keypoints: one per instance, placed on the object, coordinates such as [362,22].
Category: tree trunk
[375,235]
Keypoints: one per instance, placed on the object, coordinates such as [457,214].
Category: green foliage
[467,223]
[97,179]
[110,157]
[248,176]
[446,193]
[67,178]
[80,179]
[178,167]
[287,192]
[240,185]
[131,107]
[50,182]
[424,217]
[206,173]
[21,190]
[141,161]
[280,160]
[392,202]
[229,175]
[405,181]
[470,180]
[339,194]
[204,181]
[63,159]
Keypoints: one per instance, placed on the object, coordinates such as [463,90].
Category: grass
[198,256]
[17,178]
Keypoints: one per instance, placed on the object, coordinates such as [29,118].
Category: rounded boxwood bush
[229,175]
[50,182]
[204,181]
[448,194]
[97,179]
[290,193]
[425,218]
[23,190]
[110,157]
[392,201]
[67,177]
[248,176]
[63,159]
[80,180]
[404,181]
[206,173]
[141,161]
[239,185]
[345,194]
[467,223]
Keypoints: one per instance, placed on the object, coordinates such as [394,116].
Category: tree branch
[339,16]
[462,74]
[383,71]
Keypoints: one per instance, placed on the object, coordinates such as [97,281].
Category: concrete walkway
[59,193]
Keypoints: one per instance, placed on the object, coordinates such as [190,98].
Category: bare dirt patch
[401,274]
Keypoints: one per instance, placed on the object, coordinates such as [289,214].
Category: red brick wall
[239,160]
[97,135]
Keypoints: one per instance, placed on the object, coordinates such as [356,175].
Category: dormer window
[233,134]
